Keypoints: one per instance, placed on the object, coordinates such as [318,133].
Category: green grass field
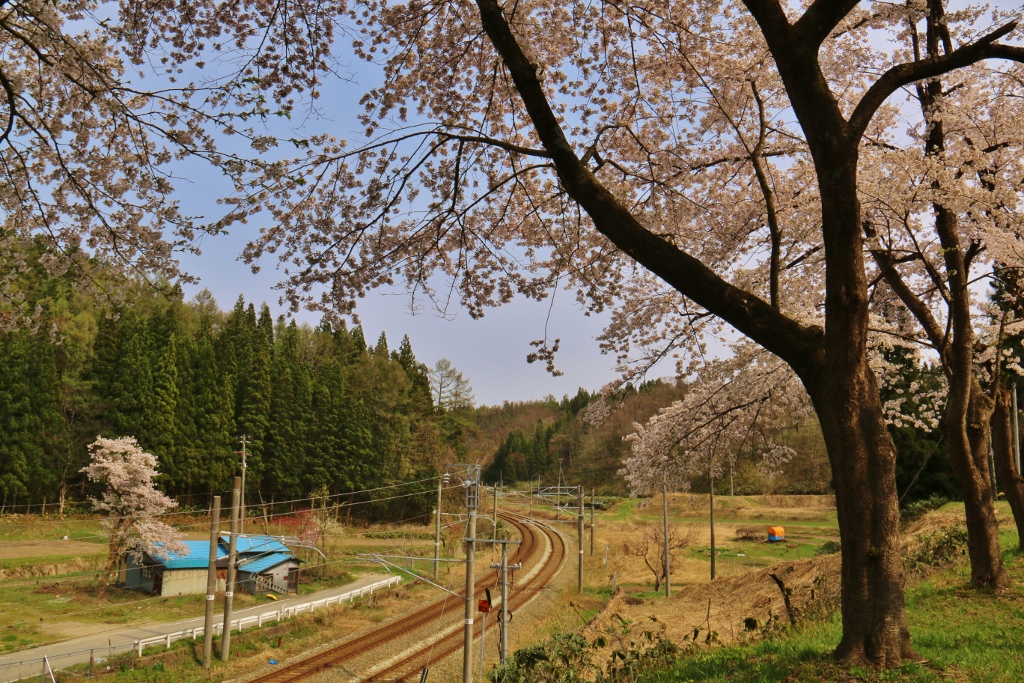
[960,633]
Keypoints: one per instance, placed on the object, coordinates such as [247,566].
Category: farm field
[40,609]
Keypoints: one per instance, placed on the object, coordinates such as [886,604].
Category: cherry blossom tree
[695,167]
[941,210]
[132,503]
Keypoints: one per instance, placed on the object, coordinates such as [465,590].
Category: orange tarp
[776,531]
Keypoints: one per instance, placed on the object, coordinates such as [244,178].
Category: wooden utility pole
[211,582]
[579,538]
[592,503]
[664,533]
[229,592]
[472,492]
[241,525]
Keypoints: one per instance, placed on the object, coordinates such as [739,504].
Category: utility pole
[472,485]
[558,492]
[437,525]
[712,480]
[211,582]
[494,516]
[1016,430]
[503,610]
[229,592]
[664,533]
[591,521]
[579,538]
[245,442]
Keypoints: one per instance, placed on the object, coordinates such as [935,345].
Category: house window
[147,572]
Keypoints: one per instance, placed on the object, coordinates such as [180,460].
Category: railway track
[428,614]
[409,667]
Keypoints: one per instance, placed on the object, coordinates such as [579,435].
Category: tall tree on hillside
[131,390]
[213,414]
[450,389]
[30,415]
[162,422]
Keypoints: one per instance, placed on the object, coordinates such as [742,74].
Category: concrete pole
[503,612]
[494,515]
[664,533]
[1016,430]
[712,528]
[591,521]
[437,532]
[211,583]
[579,538]
[229,592]
[467,636]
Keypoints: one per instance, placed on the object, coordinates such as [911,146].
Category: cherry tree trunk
[863,459]
[862,454]
[968,444]
[1006,463]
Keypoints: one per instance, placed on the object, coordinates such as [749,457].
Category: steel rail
[410,667]
[365,643]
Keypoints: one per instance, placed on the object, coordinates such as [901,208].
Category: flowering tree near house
[132,503]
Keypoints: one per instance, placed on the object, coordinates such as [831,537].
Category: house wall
[247,584]
[133,576]
[184,582]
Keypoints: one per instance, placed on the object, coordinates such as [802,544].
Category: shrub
[918,508]
[829,548]
[938,549]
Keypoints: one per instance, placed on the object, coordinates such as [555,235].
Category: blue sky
[490,351]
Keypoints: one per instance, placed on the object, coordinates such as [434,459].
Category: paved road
[76,650]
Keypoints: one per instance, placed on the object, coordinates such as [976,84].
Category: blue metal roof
[255,544]
[198,557]
[264,563]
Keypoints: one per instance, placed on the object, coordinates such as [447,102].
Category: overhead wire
[262,505]
[204,523]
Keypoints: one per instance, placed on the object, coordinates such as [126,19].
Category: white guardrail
[283,612]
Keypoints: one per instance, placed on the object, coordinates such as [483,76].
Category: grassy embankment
[960,633]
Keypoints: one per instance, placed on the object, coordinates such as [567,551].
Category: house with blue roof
[263,565]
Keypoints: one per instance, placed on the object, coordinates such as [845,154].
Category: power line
[261,505]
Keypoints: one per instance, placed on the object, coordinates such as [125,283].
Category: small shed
[264,565]
[776,534]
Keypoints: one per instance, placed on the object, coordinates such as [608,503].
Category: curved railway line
[410,665]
